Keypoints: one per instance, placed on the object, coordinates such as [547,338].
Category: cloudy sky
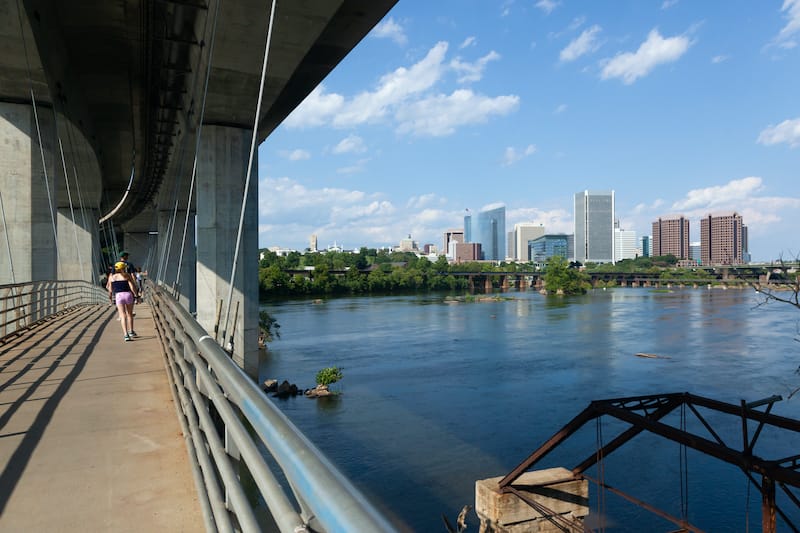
[681,107]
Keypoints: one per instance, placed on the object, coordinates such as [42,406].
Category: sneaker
[132,333]
[127,338]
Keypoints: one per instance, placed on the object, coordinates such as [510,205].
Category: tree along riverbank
[374,271]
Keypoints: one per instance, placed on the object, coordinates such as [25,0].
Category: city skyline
[679,107]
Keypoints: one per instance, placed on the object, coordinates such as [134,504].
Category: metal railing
[25,305]
[248,433]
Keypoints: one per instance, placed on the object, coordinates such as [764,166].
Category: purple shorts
[125,298]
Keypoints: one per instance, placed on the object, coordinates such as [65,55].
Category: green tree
[559,277]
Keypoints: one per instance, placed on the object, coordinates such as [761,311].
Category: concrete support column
[28,215]
[221,174]
[187,291]
[78,243]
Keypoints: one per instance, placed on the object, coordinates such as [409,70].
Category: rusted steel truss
[644,413]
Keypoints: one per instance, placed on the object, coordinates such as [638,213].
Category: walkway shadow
[88,323]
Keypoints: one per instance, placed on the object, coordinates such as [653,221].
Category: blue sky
[681,107]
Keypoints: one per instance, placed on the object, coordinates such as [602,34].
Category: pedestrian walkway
[89,436]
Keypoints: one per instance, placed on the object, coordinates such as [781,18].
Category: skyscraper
[671,236]
[524,232]
[452,236]
[594,226]
[489,229]
[722,239]
[625,246]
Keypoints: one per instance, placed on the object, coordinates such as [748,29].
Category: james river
[436,395]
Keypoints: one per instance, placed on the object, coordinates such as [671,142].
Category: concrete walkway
[89,436]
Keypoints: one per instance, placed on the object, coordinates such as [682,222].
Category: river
[437,395]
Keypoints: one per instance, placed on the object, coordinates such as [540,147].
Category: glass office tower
[489,229]
[594,226]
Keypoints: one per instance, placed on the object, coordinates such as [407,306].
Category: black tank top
[120,286]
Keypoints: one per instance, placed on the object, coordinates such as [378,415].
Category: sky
[680,107]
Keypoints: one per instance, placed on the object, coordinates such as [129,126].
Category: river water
[437,395]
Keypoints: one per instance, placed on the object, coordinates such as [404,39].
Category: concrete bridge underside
[100,107]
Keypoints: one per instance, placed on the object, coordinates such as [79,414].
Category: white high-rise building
[625,244]
[594,227]
[524,232]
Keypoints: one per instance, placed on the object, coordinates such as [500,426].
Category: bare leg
[121,311]
[130,316]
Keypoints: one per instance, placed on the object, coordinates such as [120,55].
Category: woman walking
[122,290]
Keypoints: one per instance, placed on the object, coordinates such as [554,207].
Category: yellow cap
[120,266]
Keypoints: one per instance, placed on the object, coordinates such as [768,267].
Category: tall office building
[646,240]
[489,229]
[312,242]
[722,239]
[594,226]
[519,238]
[625,245]
[468,227]
[671,236]
[694,251]
[546,246]
[452,236]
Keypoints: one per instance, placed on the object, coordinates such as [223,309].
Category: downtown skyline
[678,107]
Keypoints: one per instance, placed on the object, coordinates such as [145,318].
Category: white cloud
[350,144]
[297,154]
[469,41]
[471,72]
[547,5]
[512,155]
[406,96]
[389,29]
[666,4]
[439,115]
[787,132]
[720,196]
[394,89]
[786,37]
[554,220]
[719,59]
[560,109]
[358,166]
[656,50]
[317,109]
[585,43]
[289,212]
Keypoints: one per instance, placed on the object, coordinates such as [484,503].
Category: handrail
[26,305]
[314,495]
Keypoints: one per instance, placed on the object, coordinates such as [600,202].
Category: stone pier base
[506,513]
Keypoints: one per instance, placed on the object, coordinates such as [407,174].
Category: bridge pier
[28,214]
[188,278]
[562,500]
[78,243]
[221,174]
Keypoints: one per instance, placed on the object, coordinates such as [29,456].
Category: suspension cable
[249,171]
[198,134]
[69,197]
[75,156]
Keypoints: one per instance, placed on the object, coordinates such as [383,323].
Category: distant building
[646,240]
[312,243]
[671,236]
[452,236]
[722,239]
[625,245]
[408,245]
[694,251]
[594,226]
[429,249]
[489,229]
[467,251]
[518,242]
[543,248]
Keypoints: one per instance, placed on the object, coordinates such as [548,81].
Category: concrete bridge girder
[126,82]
